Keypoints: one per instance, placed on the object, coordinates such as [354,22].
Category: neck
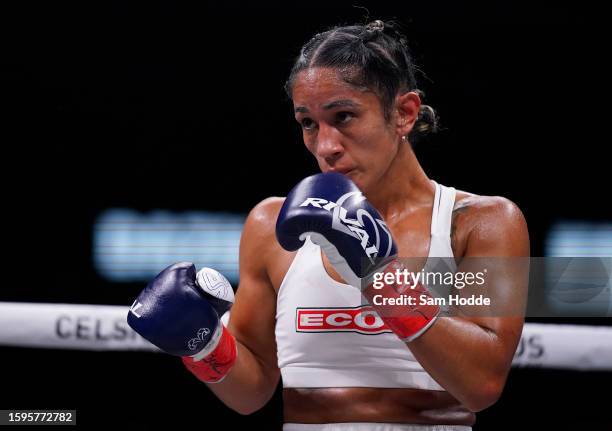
[404,187]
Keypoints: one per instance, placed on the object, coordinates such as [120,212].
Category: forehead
[318,86]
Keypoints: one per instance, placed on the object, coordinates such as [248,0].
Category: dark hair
[374,57]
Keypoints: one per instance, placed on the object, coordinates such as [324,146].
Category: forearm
[469,361]
[469,357]
[249,385]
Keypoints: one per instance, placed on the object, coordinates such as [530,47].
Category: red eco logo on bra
[363,320]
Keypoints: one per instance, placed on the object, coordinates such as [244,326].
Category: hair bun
[427,122]
[377,25]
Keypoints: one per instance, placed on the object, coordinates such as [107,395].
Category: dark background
[152,105]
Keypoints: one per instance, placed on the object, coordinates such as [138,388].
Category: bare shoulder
[263,215]
[484,222]
[479,207]
[260,253]
[259,227]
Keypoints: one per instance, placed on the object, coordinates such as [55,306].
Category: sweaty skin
[345,130]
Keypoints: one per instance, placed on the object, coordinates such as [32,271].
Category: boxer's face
[344,127]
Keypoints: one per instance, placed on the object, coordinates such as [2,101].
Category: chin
[357,179]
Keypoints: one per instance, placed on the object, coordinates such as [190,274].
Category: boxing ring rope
[104,328]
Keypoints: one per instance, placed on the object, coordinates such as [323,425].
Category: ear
[407,106]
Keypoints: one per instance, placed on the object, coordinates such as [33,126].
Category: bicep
[498,247]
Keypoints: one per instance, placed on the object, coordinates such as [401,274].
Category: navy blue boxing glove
[331,210]
[334,213]
[179,311]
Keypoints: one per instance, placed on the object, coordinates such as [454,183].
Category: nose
[328,144]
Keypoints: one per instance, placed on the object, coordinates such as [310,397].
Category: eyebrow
[331,105]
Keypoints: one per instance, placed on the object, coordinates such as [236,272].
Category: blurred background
[141,133]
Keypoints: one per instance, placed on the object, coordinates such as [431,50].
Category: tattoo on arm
[460,208]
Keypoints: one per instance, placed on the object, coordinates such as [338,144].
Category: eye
[344,117]
[307,124]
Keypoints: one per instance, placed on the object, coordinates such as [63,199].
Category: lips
[343,171]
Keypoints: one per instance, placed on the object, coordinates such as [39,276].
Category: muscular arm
[255,375]
[471,356]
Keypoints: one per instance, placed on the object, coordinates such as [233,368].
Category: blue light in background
[579,239]
[132,246]
[578,279]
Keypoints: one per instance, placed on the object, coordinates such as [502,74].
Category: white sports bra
[327,338]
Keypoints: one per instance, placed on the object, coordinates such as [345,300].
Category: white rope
[104,327]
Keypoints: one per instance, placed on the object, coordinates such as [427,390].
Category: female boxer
[356,100]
